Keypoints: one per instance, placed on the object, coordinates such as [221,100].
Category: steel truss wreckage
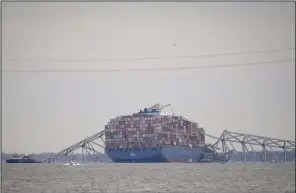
[227,144]
[88,146]
[252,147]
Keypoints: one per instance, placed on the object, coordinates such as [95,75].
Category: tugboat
[25,159]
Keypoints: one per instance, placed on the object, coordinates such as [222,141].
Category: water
[112,178]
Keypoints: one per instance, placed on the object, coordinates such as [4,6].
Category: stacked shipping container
[140,130]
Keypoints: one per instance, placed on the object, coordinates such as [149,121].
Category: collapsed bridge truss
[271,149]
[247,147]
[88,146]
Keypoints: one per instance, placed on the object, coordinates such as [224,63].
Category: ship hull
[21,161]
[155,155]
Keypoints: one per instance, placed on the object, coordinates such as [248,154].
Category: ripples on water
[112,178]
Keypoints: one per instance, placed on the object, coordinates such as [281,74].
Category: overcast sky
[50,110]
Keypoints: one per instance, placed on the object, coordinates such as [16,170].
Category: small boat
[72,163]
[189,161]
[25,159]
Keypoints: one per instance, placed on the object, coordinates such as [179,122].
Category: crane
[157,108]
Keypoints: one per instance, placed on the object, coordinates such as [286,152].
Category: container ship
[151,136]
[24,159]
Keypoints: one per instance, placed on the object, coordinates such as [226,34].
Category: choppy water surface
[111,178]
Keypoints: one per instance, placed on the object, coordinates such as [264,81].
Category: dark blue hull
[21,161]
[153,159]
[155,155]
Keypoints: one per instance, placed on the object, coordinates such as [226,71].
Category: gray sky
[48,111]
